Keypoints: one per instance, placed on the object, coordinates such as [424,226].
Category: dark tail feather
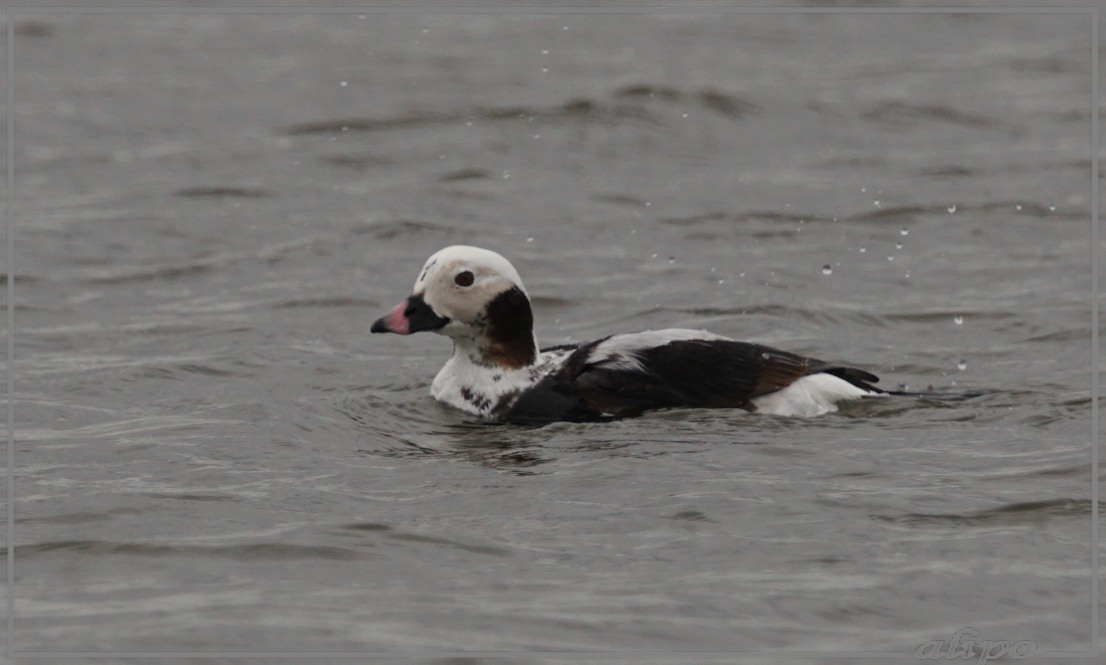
[857,377]
[865,381]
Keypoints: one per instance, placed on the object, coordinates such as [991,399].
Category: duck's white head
[475,297]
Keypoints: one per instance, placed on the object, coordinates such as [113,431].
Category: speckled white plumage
[481,391]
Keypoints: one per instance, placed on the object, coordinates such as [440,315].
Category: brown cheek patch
[510,330]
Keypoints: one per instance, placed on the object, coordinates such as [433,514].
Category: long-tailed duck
[475,297]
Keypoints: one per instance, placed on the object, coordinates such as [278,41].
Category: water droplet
[890,258]
[545,51]
[671,259]
[530,239]
[362,17]
[537,136]
[721,281]
[544,70]
[876,203]
[962,365]
[958,320]
[766,355]
[863,249]
[506,174]
[343,83]
[1018,207]
[906,275]
[952,208]
[863,190]
[1052,208]
[653,256]
[647,204]
[827,269]
[905,231]
[345,128]
[713,269]
[684,115]
[898,245]
[425,30]
[741,274]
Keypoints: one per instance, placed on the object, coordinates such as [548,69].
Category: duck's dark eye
[464,278]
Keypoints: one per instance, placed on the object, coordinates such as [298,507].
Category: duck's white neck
[472,382]
[497,355]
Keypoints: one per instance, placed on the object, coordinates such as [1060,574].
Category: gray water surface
[214,454]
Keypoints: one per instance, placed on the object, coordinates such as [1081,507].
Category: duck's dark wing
[708,373]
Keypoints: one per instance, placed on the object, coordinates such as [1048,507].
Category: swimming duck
[476,298]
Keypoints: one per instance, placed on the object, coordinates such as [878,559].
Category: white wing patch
[620,352]
[809,396]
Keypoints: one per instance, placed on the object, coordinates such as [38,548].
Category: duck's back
[626,375]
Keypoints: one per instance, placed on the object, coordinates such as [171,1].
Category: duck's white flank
[810,396]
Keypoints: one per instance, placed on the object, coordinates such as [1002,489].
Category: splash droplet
[952,208]
[905,231]
[962,365]
[958,320]
[827,269]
